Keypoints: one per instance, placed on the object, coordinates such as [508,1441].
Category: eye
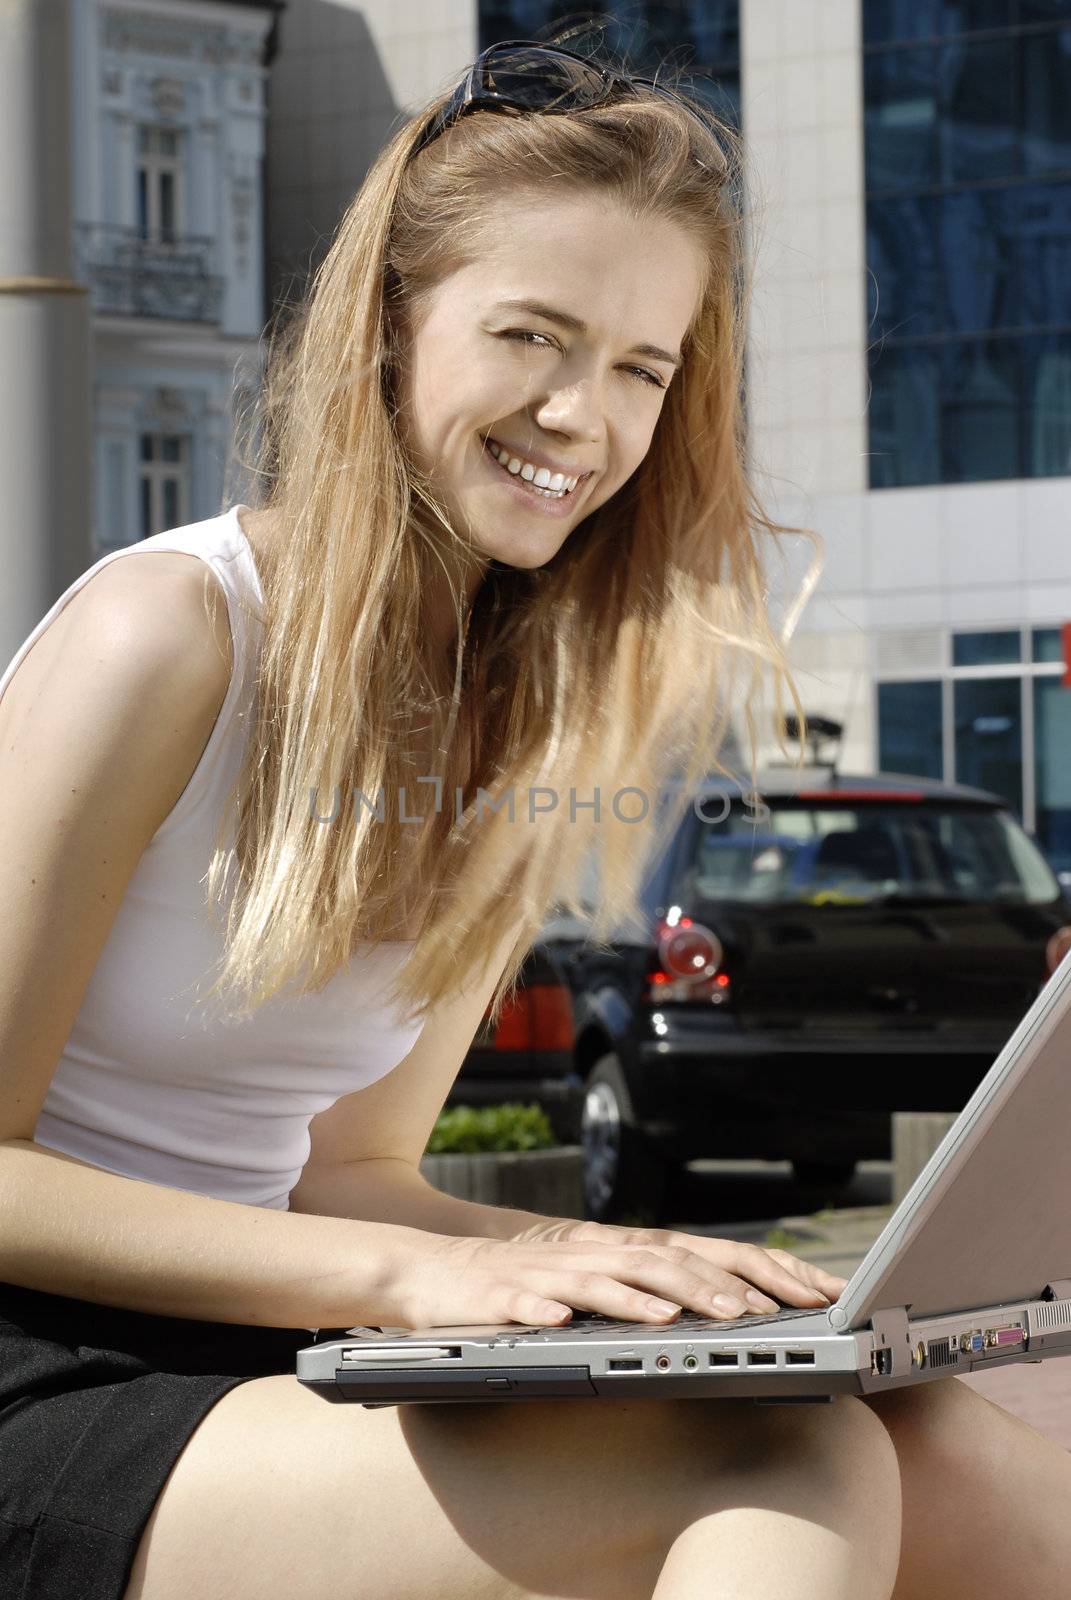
[640,372]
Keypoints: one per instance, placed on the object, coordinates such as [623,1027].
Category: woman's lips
[524,492]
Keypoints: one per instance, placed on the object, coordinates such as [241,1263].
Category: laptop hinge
[1059,1289]
[891,1332]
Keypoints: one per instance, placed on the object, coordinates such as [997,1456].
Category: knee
[842,1450]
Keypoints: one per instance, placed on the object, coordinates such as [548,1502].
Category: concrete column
[801,80]
[45,394]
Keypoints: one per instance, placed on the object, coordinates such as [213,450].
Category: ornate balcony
[133,276]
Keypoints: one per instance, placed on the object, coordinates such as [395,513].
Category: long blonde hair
[610,668]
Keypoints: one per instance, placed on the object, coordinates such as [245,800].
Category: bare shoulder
[102,724]
[155,622]
[122,689]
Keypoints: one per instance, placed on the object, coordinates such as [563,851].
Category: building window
[909,729]
[165,491]
[968,225]
[703,40]
[161,190]
[997,718]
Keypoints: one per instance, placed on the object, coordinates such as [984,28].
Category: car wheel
[625,1177]
[823,1174]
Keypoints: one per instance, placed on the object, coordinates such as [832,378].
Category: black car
[531,1055]
[843,948]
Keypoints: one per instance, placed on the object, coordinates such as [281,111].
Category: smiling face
[550,395]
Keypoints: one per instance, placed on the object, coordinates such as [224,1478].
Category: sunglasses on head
[520,75]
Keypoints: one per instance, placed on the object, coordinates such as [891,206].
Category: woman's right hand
[457,1282]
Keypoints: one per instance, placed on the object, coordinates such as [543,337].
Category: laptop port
[623,1364]
[662,1362]
[800,1358]
[881,1363]
[762,1358]
[723,1358]
[691,1362]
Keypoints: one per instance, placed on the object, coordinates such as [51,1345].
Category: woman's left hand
[772,1272]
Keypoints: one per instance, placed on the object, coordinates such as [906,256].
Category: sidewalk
[838,1240]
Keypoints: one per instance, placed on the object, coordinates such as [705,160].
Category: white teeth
[540,479]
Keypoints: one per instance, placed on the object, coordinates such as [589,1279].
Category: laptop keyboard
[690,1321]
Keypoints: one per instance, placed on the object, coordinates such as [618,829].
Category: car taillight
[1057,948]
[690,957]
[539,1017]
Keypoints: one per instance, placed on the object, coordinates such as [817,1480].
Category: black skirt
[96,1404]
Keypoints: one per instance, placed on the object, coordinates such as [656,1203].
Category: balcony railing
[133,276]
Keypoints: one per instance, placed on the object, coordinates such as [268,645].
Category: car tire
[830,1175]
[626,1179]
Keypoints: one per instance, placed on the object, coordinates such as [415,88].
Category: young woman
[538,287]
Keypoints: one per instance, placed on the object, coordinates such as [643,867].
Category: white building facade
[168,135]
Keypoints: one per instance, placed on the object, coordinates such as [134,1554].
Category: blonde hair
[611,667]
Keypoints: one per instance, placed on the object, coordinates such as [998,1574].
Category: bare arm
[100,728]
[365,1153]
[386,1189]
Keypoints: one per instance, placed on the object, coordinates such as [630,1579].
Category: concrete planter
[549,1181]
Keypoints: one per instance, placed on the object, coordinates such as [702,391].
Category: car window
[858,854]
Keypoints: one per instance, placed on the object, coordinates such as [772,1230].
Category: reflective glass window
[1046,110]
[988,733]
[980,404]
[1052,776]
[905,416]
[968,176]
[1047,644]
[1046,380]
[978,88]
[900,95]
[1032,228]
[909,729]
[994,648]
[889,21]
[904,280]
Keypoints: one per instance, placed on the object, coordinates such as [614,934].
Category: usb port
[723,1358]
[623,1364]
[800,1358]
[762,1358]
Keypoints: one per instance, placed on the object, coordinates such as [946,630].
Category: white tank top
[152,1083]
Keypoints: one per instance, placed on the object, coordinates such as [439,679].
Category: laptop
[972,1270]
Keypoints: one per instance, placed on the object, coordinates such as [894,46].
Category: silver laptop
[972,1270]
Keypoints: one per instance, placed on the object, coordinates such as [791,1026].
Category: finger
[763,1268]
[680,1275]
[828,1282]
[607,1295]
[810,1271]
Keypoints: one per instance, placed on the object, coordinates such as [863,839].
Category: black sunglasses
[522,75]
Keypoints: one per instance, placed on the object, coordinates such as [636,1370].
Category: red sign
[1067,655]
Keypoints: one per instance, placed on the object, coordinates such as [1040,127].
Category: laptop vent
[940,1355]
[1052,1314]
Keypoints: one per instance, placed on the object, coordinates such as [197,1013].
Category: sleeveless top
[152,1083]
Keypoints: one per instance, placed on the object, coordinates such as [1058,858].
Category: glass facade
[699,39]
[998,718]
[968,225]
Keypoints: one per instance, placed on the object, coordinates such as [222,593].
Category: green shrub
[469,1129]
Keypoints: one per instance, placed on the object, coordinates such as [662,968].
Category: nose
[575,412]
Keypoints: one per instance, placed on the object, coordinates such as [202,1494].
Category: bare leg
[986,1499]
[571,1499]
[816,1519]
